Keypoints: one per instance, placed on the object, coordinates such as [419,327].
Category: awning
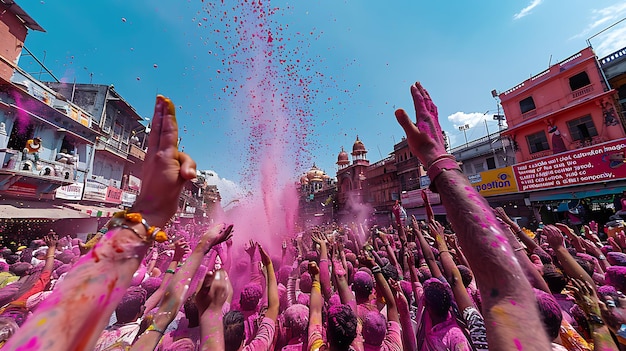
[16,209]
[94,211]
[582,192]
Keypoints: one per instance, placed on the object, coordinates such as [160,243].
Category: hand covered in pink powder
[214,291]
[217,234]
[265,257]
[424,136]
[181,248]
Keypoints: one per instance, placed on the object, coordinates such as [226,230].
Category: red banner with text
[594,164]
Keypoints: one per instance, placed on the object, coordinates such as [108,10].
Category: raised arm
[569,264]
[507,296]
[210,299]
[99,279]
[181,248]
[321,240]
[452,274]
[272,286]
[176,291]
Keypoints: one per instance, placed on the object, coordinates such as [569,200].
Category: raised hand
[314,269]
[586,297]
[251,248]
[181,248]
[217,234]
[265,258]
[424,136]
[214,291]
[501,213]
[51,239]
[367,260]
[554,236]
[166,167]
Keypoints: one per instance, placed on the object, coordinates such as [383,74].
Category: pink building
[567,131]
[566,107]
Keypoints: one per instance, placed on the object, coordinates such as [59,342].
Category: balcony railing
[582,92]
[541,154]
[105,145]
[43,168]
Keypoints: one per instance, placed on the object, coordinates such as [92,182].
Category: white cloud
[602,18]
[229,190]
[611,42]
[462,118]
[527,10]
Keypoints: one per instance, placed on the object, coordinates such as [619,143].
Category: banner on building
[413,198]
[134,183]
[70,192]
[595,164]
[22,189]
[494,182]
[95,191]
[114,195]
[128,199]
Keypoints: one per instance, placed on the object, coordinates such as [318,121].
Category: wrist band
[439,166]
[170,271]
[153,327]
[519,248]
[449,156]
[316,285]
[602,257]
[376,269]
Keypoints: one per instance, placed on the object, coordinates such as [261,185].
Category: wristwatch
[595,319]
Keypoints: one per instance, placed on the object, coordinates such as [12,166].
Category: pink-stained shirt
[393,339]
[446,336]
[264,337]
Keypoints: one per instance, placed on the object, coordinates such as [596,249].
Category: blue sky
[341,66]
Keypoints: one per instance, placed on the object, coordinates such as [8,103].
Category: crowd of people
[477,282]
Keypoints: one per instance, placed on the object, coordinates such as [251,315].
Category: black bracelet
[376,269]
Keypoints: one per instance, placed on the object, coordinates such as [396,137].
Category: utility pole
[464,128]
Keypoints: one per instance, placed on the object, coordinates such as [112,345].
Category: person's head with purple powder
[363,285]
[250,297]
[437,297]
[341,327]
[374,328]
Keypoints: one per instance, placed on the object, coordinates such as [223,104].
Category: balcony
[577,144]
[113,147]
[137,152]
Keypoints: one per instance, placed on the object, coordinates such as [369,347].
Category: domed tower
[343,160]
[359,152]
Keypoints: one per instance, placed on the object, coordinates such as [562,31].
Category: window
[578,81]
[527,104]
[21,132]
[537,142]
[582,128]
[479,167]
[491,163]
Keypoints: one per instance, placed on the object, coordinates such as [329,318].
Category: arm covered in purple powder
[509,302]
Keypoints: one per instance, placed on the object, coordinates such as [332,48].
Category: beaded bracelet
[154,233]
[171,271]
[376,269]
